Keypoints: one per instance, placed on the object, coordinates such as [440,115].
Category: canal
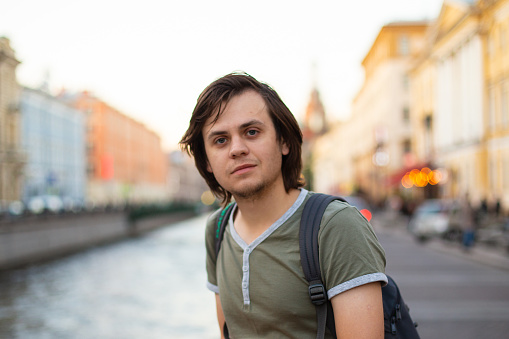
[147,287]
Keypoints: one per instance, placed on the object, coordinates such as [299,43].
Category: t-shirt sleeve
[350,254]
[210,245]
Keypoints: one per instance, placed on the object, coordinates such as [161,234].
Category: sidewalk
[482,253]
[395,224]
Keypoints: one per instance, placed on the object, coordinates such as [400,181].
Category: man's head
[212,103]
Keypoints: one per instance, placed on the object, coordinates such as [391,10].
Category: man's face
[243,151]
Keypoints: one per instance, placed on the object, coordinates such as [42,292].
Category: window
[406,114]
[407,146]
[491,109]
[504,103]
[491,47]
[493,173]
[406,81]
[503,38]
[505,178]
[90,169]
[503,167]
[427,122]
[404,45]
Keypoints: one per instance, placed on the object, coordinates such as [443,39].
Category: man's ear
[284,148]
[209,169]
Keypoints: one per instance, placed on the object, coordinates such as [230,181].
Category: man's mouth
[242,169]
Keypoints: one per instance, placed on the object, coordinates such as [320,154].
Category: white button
[244,285]
[245,268]
[248,250]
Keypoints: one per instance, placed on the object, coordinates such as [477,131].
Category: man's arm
[220,315]
[358,313]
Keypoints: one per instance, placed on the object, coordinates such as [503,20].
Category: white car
[433,218]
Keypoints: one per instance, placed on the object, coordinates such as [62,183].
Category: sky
[151,59]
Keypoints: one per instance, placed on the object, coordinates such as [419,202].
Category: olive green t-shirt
[262,287]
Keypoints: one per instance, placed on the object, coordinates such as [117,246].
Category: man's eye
[220,140]
[252,132]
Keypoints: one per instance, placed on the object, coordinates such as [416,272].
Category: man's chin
[248,191]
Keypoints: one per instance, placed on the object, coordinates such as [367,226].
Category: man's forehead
[255,107]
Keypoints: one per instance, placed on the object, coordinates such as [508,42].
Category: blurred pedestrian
[468,222]
[498,208]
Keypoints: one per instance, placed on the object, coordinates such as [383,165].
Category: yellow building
[422,112]
[458,110]
[332,160]
[495,29]
[11,156]
[375,144]
[460,99]
[447,103]
[458,103]
[422,79]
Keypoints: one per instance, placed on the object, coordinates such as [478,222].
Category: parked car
[435,218]
[361,205]
[16,208]
[72,205]
[45,203]
[13,208]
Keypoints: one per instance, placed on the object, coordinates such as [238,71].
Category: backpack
[397,321]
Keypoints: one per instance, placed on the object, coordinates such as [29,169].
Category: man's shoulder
[333,207]
[216,217]
[339,213]
[213,219]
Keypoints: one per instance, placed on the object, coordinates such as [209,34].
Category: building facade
[457,55]
[460,100]
[494,29]
[453,128]
[11,156]
[422,108]
[333,155]
[53,137]
[125,161]
[185,183]
[376,142]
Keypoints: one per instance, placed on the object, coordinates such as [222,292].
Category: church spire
[315,123]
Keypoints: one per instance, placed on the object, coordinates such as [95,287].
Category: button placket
[245,276]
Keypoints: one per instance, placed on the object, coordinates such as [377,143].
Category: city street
[450,294]
[117,136]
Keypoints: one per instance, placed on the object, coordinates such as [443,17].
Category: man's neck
[255,215]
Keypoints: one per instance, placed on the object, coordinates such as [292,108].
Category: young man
[247,145]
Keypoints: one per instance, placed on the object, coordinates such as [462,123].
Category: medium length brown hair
[214,99]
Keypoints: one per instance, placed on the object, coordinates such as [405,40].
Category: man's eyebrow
[213,134]
[251,123]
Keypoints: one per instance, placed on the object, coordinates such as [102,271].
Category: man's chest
[266,278]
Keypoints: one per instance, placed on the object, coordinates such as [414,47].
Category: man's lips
[242,168]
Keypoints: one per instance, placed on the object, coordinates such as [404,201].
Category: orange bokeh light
[421,178]
[406,181]
[434,177]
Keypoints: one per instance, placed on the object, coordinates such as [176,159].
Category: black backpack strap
[308,241]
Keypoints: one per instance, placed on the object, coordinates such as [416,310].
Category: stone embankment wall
[35,239]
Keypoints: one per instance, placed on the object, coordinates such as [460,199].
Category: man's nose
[238,147]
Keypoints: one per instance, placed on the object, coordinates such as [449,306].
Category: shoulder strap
[222,221]
[308,241]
